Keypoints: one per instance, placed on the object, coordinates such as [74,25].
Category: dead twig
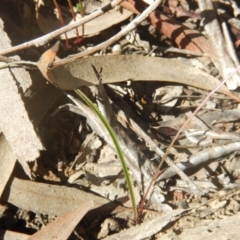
[207,136]
[113,39]
[201,157]
[46,38]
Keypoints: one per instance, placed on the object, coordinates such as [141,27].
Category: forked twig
[46,38]
[113,39]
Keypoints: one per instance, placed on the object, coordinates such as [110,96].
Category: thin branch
[113,39]
[46,38]
[200,158]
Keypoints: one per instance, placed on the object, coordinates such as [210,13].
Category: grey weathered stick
[202,157]
[113,39]
[46,38]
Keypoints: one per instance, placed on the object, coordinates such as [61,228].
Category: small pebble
[116,49]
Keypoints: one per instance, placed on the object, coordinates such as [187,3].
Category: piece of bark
[182,36]
[7,162]
[14,121]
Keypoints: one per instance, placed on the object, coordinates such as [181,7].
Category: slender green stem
[116,143]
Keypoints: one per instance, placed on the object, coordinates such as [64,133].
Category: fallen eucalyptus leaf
[119,68]
[53,199]
[64,225]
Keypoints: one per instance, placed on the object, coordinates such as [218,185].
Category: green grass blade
[117,146]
